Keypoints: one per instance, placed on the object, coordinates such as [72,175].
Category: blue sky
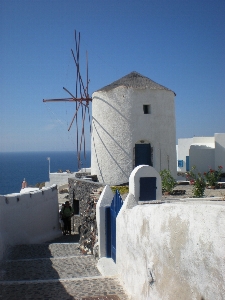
[177,43]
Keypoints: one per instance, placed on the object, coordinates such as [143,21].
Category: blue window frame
[180,163]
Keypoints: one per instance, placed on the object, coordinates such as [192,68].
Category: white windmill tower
[133,123]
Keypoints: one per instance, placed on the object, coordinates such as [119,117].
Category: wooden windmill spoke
[78,67]
[78,72]
[89,118]
[82,134]
[83,121]
[84,137]
[77,133]
[59,100]
[77,61]
[81,100]
[87,73]
[77,99]
[75,115]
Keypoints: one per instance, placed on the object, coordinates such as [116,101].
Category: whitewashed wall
[202,157]
[29,218]
[172,251]
[204,140]
[104,201]
[220,150]
[140,172]
[59,178]
[183,151]
[118,122]
[204,152]
[196,148]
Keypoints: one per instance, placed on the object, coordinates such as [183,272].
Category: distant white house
[202,152]
[59,178]
[133,123]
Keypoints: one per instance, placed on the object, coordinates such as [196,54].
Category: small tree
[198,181]
[168,182]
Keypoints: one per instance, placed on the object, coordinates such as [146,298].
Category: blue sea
[34,166]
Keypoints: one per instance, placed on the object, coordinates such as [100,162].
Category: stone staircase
[55,270]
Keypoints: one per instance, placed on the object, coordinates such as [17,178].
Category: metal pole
[160,161]
[48,158]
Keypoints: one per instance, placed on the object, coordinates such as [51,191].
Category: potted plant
[168,182]
[212,177]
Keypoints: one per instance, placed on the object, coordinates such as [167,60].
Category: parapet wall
[172,250]
[28,218]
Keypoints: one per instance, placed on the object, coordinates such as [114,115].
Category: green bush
[168,182]
[198,182]
[123,189]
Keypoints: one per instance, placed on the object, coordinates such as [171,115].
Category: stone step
[43,251]
[55,271]
[101,288]
[48,268]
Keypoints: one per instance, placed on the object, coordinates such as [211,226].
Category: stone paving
[55,270]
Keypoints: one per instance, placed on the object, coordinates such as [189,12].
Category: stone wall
[87,193]
[81,175]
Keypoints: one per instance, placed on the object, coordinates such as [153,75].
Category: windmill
[82,100]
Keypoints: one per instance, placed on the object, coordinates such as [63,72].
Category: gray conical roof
[136,81]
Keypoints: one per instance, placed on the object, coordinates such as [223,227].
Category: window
[76,207]
[146,109]
[180,163]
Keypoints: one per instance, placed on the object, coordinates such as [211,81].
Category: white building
[133,123]
[202,152]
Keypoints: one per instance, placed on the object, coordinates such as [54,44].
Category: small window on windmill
[146,109]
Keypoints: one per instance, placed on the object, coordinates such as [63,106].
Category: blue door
[187,163]
[147,188]
[142,154]
[113,231]
[111,214]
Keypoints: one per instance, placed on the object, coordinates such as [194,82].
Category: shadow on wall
[219,155]
[110,154]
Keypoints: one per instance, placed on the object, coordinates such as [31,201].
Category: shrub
[123,189]
[212,176]
[40,185]
[198,182]
[168,182]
